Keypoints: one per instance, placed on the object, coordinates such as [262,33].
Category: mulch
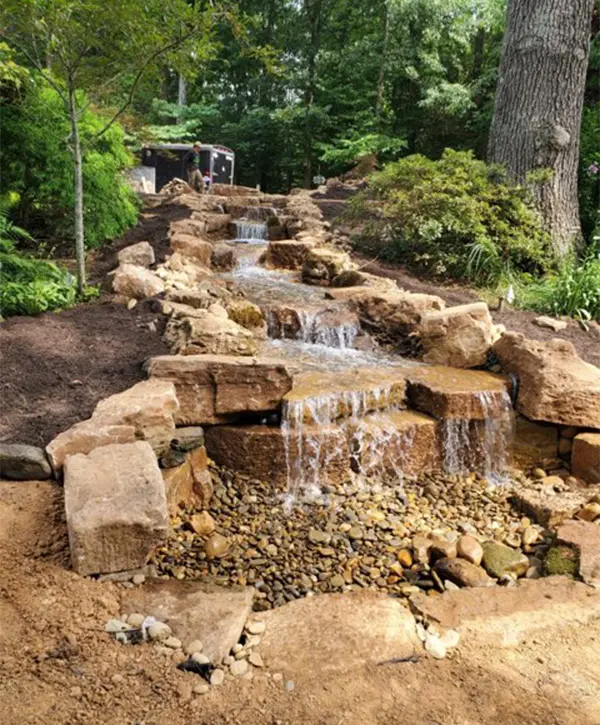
[54,368]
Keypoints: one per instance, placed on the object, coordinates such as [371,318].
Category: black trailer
[168,161]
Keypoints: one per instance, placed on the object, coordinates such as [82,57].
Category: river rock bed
[351,537]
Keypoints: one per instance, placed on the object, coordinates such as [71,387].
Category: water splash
[250,232]
[312,327]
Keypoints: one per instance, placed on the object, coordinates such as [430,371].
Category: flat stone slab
[23,463]
[549,508]
[116,507]
[324,397]
[507,616]
[317,454]
[585,457]
[534,442]
[585,537]
[195,611]
[445,392]
[336,633]
[213,388]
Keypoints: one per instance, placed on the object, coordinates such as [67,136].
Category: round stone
[115,625]
[159,631]
[199,658]
[255,627]
[201,689]
[450,638]
[239,668]
[172,642]
[135,620]
[256,660]
[435,647]
[138,579]
[192,647]
[217,677]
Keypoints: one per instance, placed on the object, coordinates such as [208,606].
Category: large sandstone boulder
[460,337]
[287,253]
[333,326]
[141,254]
[205,294]
[585,457]
[197,249]
[212,388]
[131,280]
[322,264]
[209,332]
[533,442]
[215,222]
[115,506]
[358,278]
[555,384]
[223,257]
[188,228]
[145,411]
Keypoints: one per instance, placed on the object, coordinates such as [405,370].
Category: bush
[457,217]
[38,166]
[29,286]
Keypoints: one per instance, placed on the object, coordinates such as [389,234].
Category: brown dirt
[587,343]
[57,366]
[58,666]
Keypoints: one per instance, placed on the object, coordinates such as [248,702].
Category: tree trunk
[379,102]
[182,92]
[539,99]
[78,183]
[313,9]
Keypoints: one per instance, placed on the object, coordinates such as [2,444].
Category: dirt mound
[57,366]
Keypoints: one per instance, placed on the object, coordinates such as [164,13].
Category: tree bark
[538,106]
[379,102]
[78,185]
[314,9]
[181,92]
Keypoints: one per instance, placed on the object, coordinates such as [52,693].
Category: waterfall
[311,327]
[250,232]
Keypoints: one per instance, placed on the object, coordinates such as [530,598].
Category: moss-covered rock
[562,560]
[499,560]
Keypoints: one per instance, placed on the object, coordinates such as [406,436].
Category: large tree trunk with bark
[78,184]
[539,100]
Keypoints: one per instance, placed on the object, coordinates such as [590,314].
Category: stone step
[395,441]
[450,393]
[325,397]
[314,455]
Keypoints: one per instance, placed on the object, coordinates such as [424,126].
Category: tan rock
[585,537]
[115,506]
[555,385]
[188,227]
[203,296]
[468,548]
[211,387]
[322,326]
[287,253]
[533,442]
[217,222]
[548,508]
[203,523]
[145,411]
[223,257]
[358,278]
[190,483]
[209,332]
[322,264]
[136,282]
[197,249]
[442,549]
[217,546]
[452,393]
[212,615]
[265,452]
[460,336]
[246,314]
[585,458]
[141,254]
[463,573]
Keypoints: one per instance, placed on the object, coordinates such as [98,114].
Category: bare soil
[55,367]
[59,667]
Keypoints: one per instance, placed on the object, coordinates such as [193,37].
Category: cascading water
[250,232]
[479,445]
[314,328]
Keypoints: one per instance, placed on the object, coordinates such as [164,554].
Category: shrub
[37,165]
[457,217]
[29,286]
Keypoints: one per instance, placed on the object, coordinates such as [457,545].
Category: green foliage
[457,217]
[29,286]
[349,150]
[38,166]
[574,290]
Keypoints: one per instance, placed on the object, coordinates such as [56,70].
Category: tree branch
[138,77]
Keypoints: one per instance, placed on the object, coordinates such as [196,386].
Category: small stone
[539,473]
[337,581]
[590,512]
[421,632]
[420,547]
[159,631]
[135,620]
[529,536]
[178,657]
[138,579]
[277,677]
[450,638]
[550,323]
[203,523]
[468,548]
[201,689]
[199,658]
[217,546]
[237,648]
[435,647]
[405,558]
[172,642]
[217,677]
[355,533]
[290,686]
[193,647]
[115,625]
[441,549]
[228,660]
[255,659]
[117,679]
[239,668]
[255,627]
[499,559]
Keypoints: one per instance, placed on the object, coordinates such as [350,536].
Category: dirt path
[60,667]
